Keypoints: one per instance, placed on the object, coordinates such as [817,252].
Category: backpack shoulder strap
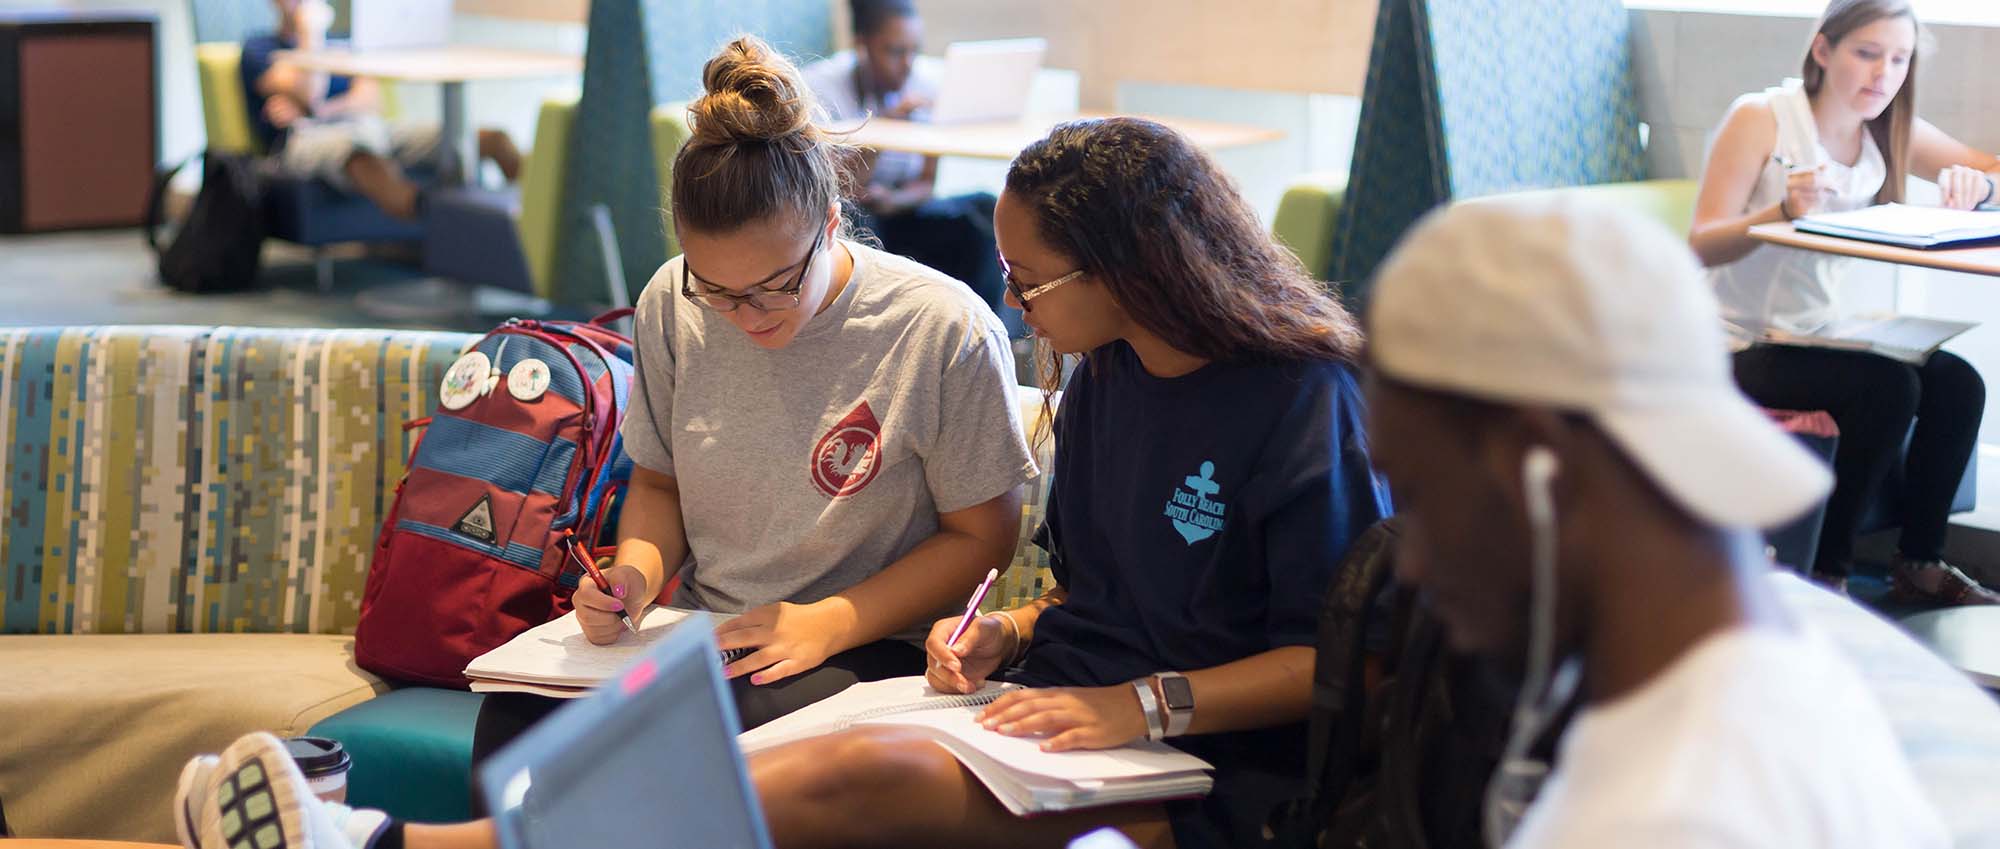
[1339,692]
[156,201]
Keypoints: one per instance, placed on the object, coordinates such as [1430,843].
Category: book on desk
[1921,227]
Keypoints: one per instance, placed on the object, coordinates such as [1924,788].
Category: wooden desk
[451,66]
[1004,139]
[1975,260]
[1966,637]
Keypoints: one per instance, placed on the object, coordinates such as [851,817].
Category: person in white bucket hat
[1582,483]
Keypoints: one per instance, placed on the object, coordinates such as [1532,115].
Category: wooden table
[450,66]
[1002,140]
[1974,260]
[42,843]
[1966,637]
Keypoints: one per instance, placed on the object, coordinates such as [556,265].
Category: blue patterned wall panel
[1474,97]
[1534,99]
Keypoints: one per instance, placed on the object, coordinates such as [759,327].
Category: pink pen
[972,606]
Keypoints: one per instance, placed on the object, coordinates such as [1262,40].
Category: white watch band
[1150,706]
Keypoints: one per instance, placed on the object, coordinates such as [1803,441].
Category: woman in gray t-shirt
[826,436]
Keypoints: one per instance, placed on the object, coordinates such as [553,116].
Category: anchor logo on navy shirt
[1194,511]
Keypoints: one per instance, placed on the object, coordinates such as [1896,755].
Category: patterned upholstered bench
[186,516]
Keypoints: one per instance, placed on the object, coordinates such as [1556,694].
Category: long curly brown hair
[1151,218]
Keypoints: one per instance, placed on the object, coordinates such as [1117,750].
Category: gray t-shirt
[805,470]
[834,85]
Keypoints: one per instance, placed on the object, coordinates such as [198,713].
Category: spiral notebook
[1022,776]
[554,658]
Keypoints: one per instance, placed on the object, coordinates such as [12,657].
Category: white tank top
[1788,288]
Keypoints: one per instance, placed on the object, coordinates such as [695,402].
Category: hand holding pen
[601,602]
[1806,189]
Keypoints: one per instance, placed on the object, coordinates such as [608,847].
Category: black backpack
[219,248]
[1404,764]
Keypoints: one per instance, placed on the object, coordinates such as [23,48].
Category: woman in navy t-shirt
[1210,473]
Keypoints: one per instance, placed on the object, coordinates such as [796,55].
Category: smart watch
[1179,697]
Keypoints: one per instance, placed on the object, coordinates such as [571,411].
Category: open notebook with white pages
[1906,226]
[556,659]
[1017,771]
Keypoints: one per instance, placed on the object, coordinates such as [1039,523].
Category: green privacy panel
[1476,97]
[643,53]
[1397,173]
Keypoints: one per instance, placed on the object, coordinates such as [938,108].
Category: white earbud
[1545,687]
[1538,468]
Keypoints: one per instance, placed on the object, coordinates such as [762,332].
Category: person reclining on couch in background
[329,126]
[1581,483]
[1218,377]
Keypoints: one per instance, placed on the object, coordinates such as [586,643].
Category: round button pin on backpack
[528,379]
[465,381]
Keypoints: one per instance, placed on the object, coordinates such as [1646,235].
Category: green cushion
[412,751]
[1670,202]
[541,192]
[670,131]
[1308,215]
[224,110]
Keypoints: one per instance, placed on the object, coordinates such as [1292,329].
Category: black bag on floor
[1402,764]
[219,248]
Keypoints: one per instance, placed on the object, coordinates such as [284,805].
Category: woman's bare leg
[886,787]
[477,834]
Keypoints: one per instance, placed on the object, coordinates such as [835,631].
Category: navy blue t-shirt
[1198,520]
[257,52]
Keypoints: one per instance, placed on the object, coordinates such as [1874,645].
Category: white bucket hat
[1551,300]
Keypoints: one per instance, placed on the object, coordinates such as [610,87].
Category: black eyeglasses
[764,300]
[1024,294]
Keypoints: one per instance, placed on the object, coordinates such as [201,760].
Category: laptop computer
[389,24]
[657,740]
[987,80]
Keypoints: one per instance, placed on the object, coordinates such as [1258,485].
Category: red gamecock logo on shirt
[849,455]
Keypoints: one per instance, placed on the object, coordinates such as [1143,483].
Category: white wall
[1688,66]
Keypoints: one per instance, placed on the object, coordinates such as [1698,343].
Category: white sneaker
[254,797]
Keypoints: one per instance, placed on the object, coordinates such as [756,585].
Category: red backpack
[517,475]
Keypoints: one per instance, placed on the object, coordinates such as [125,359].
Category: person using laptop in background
[1580,485]
[1211,472]
[882,78]
[330,127]
[1846,137]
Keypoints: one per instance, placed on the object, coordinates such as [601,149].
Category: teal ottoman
[412,751]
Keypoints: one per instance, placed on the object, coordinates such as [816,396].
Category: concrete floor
[106,277]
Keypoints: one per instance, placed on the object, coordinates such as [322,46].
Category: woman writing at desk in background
[1846,136]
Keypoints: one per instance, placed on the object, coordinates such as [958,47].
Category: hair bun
[752,94]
